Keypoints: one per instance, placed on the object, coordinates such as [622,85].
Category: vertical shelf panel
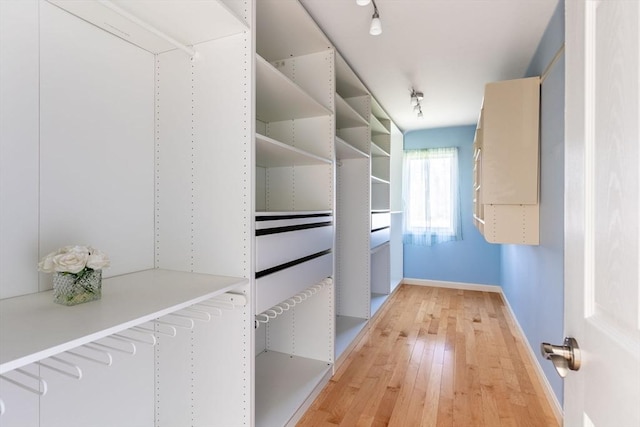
[353,230]
[19,170]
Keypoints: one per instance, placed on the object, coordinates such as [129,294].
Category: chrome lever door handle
[564,357]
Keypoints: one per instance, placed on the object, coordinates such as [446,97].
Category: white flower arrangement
[74,260]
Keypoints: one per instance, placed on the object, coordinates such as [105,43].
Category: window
[431,199]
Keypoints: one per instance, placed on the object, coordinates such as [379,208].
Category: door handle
[564,357]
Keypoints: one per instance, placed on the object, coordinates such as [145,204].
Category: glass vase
[73,289]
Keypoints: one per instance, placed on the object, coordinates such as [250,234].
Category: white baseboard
[453,285]
[546,386]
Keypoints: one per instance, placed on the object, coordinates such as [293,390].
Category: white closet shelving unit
[230,165]
[353,146]
[365,137]
[294,211]
[115,98]
[380,206]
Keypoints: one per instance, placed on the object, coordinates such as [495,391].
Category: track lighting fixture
[416,102]
[376,25]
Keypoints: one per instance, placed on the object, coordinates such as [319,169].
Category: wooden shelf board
[271,153]
[33,327]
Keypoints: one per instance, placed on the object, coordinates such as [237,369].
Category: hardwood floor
[436,357]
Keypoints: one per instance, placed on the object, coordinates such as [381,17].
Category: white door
[602,232]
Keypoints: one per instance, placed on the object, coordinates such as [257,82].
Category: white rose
[97,259]
[71,259]
[46,265]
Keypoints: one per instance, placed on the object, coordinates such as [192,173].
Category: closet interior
[244,183]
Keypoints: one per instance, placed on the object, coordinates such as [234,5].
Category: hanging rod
[189,51]
[289,303]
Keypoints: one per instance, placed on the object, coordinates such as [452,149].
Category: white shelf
[376,151]
[283,383]
[33,327]
[188,22]
[376,302]
[344,150]
[347,329]
[347,116]
[271,153]
[377,111]
[347,83]
[284,29]
[286,213]
[377,127]
[376,180]
[279,99]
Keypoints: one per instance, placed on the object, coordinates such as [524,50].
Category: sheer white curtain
[431,196]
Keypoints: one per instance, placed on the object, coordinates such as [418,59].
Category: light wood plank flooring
[436,357]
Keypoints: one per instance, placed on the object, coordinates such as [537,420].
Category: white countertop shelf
[33,327]
[271,153]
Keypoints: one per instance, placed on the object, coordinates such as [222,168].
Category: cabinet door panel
[510,142]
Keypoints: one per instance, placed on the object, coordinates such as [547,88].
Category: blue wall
[472,259]
[533,276]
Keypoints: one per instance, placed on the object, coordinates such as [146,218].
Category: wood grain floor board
[436,357]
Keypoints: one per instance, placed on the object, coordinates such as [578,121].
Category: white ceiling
[447,49]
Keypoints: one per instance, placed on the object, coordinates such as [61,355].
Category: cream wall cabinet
[506,163]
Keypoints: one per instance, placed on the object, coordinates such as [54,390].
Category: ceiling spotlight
[376,25]
[416,102]
[417,96]
[363,2]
